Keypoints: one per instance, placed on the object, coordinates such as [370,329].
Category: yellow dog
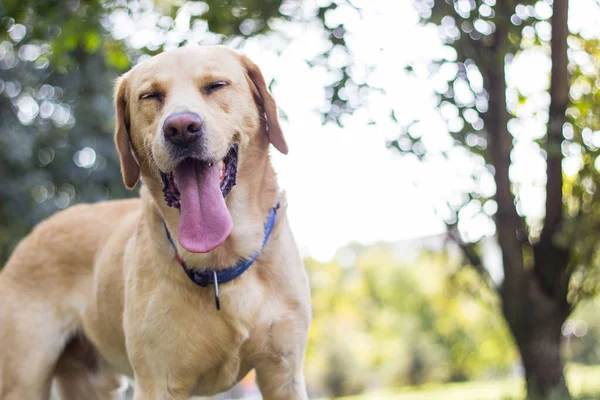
[128,287]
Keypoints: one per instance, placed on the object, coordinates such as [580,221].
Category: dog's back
[43,287]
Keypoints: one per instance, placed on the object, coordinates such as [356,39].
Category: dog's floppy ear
[130,168]
[262,95]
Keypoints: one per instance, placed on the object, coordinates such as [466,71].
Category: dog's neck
[248,203]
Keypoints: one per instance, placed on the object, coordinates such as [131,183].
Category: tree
[53,72]
[548,264]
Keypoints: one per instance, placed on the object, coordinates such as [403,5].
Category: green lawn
[584,383]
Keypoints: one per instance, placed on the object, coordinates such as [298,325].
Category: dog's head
[182,117]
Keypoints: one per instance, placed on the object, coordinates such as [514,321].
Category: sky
[343,184]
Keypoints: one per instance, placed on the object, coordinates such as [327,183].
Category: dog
[188,287]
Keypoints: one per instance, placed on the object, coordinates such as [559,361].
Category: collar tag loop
[216,287]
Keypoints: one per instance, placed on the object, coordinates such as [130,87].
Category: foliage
[54,72]
[581,189]
[394,324]
[582,332]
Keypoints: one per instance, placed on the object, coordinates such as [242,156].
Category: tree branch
[500,143]
[551,261]
[559,98]
[471,255]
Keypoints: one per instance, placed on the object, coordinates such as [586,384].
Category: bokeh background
[443,173]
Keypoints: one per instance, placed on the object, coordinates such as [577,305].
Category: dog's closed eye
[215,86]
[151,96]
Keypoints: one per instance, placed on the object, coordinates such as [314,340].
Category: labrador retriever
[185,289]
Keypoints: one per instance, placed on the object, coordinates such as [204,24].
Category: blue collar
[208,277]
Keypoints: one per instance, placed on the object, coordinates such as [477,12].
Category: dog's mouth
[198,189]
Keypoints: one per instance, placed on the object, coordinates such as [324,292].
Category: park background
[442,176]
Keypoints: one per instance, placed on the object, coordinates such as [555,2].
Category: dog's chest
[216,356]
[190,343]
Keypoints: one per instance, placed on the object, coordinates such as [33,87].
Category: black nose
[183,128]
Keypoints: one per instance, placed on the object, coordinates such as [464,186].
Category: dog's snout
[183,128]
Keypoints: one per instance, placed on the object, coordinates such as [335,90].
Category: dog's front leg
[153,391]
[159,378]
[281,378]
[279,366]
[279,382]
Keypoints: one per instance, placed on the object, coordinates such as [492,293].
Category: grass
[584,384]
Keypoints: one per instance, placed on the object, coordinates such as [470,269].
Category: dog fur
[94,292]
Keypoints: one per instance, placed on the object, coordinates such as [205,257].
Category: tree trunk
[538,335]
[544,370]
[534,297]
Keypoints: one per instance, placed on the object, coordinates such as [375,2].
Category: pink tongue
[204,222]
